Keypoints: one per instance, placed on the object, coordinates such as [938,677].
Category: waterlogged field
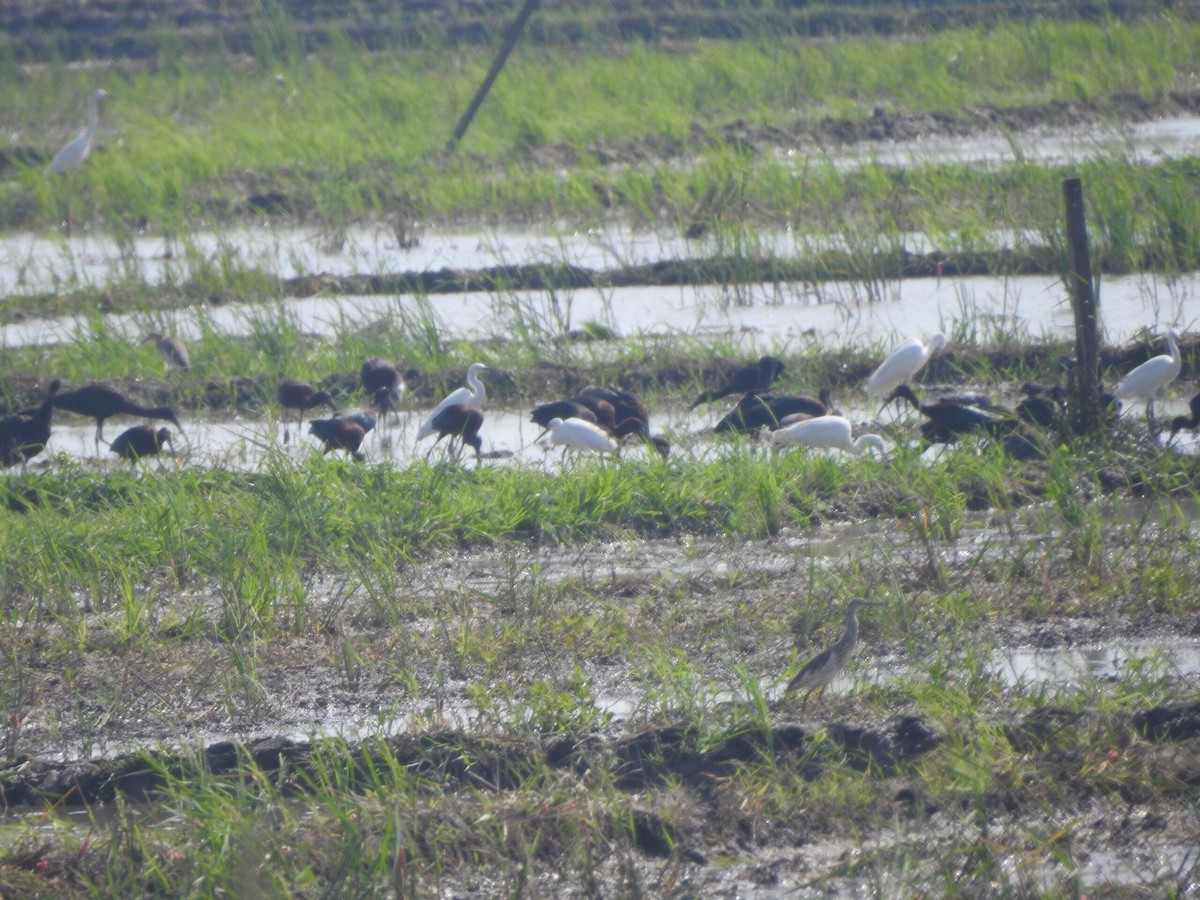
[245,667]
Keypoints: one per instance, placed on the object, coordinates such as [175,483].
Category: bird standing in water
[822,668]
[103,402]
[471,396]
[140,441]
[302,396]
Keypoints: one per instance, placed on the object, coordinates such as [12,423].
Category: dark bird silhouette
[339,434]
[459,421]
[380,375]
[139,441]
[370,416]
[753,379]
[754,411]
[1190,422]
[24,435]
[1043,405]
[946,420]
[102,402]
[300,396]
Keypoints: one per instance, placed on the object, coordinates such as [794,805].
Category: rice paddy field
[247,667]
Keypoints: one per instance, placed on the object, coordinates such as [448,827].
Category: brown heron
[821,669]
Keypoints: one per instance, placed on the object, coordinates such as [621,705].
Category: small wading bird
[756,378]
[24,435]
[579,434]
[472,396]
[70,157]
[101,402]
[300,396]
[380,375]
[1152,376]
[459,421]
[1192,422]
[338,434]
[825,431]
[140,441]
[822,668]
[544,413]
[173,351]
[903,363]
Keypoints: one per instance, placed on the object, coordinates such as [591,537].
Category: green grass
[351,136]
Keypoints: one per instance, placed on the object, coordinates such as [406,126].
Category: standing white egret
[1152,376]
[903,363]
[579,434]
[825,431]
[471,396]
[70,157]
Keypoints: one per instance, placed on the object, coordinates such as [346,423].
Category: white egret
[70,157]
[579,434]
[903,363]
[825,431]
[1152,376]
[471,396]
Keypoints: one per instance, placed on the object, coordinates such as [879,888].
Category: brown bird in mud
[173,351]
[339,434]
[102,402]
[24,435]
[139,441]
[821,669]
[301,396]
[459,421]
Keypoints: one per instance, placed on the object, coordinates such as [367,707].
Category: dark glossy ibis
[300,396]
[1043,405]
[339,434]
[139,441]
[101,402]
[946,420]
[756,411]
[756,378]
[381,380]
[24,435]
[629,416]
[458,421]
[1192,422]
[472,396]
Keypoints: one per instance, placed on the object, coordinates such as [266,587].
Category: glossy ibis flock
[604,419]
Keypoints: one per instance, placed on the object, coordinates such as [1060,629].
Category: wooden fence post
[510,41]
[1085,401]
